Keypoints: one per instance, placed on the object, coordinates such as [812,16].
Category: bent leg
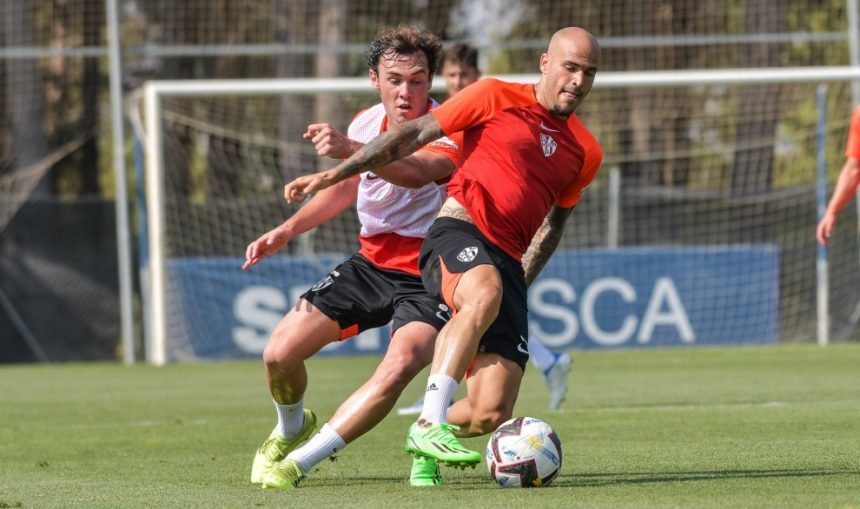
[299,335]
[477,298]
[493,386]
[410,350]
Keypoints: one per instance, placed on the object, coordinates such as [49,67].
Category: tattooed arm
[544,242]
[398,142]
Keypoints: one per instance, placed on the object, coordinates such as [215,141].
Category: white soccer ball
[524,452]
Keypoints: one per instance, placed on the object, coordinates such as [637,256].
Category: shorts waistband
[471,228]
[463,226]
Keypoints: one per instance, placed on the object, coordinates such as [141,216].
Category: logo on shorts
[325,282]
[468,254]
[523,346]
[547,144]
[444,314]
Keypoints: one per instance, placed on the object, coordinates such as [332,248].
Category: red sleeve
[478,102]
[852,148]
[593,157]
[448,146]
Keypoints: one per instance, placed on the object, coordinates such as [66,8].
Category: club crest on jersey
[547,144]
[468,254]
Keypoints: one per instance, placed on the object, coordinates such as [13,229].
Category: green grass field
[693,428]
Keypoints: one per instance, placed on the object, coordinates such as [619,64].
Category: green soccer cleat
[425,472]
[276,447]
[438,442]
[284,475]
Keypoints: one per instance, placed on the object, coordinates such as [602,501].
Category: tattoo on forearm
[544,243]
[394,144]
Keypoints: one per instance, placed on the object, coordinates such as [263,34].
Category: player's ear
[374,78]
[544,63]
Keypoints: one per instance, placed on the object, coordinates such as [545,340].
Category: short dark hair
[404,40]
[461,54]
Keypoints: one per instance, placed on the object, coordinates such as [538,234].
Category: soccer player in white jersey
[380,283]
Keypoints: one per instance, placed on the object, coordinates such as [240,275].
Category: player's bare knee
[398,369]
[487,420]
[484,303]
[277,355]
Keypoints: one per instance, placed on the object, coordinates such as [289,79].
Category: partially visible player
[460,69]
[380,283]
[526,160]
[846,185]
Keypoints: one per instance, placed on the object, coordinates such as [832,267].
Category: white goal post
[156,92]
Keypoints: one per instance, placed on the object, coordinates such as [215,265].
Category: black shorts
[460,246]
[361,296]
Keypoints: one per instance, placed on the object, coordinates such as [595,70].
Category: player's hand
[330,142]
[825,228]
[304,186]
[270,242]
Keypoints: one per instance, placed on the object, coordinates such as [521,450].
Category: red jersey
[852,149]
[518,160]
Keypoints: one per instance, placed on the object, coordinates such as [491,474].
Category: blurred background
[715,185]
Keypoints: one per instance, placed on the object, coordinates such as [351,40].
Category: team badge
[326,281]
[547,144]
[468,254]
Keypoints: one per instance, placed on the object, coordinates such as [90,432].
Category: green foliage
[729,427]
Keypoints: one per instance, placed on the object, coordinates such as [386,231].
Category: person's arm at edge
[846,187]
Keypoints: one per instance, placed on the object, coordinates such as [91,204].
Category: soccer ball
[524,452]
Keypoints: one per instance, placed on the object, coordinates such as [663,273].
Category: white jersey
[387,208]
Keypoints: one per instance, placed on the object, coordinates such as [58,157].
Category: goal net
[698,230]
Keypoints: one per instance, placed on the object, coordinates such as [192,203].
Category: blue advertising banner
[625,298]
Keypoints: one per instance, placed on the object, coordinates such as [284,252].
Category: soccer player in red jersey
[846,185]
[459,69]
[526,160]
[380,283]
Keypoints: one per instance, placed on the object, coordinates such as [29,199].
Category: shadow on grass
[582,480]
[470,481]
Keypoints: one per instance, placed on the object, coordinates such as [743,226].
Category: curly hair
[404,40]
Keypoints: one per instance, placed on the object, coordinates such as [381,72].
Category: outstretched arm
[544,242]
[846,186]
[324,206]
[394,144]
[416,170]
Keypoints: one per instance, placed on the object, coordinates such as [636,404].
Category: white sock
[437,397]
[541,356]
[290,418]
[322,445]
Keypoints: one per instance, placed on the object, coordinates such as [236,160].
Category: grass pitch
[732,427]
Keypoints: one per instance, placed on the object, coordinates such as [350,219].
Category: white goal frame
[155,91]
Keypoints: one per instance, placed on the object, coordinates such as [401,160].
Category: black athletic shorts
[362,296]
[452,247]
